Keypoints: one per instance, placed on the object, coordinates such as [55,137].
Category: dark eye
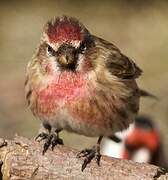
[51,51]
[82,48]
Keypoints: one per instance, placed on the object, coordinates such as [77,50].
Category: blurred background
[138,28]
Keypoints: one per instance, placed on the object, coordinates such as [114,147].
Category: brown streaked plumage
[80,83]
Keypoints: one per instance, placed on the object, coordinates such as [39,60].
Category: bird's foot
[41,136]
[51,139]
[89,154]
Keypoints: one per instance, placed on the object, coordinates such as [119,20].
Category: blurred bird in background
[80,83]
[144,143]
[141,143]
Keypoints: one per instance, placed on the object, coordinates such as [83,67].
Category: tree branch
[22,158]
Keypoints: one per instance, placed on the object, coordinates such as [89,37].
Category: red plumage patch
[65,89]
[64,30]
[140,137]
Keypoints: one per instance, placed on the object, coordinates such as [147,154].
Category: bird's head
[144,138]
[64,45]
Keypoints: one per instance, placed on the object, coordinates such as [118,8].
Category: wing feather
[122,66]
[117,63]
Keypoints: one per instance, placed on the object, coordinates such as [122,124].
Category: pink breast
[61,90]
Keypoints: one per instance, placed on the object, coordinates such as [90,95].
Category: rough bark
[22,158]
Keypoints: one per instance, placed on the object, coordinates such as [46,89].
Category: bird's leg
[56,140]
[89,154]
[51,137]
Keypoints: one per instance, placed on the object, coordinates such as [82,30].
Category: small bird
[144,143]
[80,83]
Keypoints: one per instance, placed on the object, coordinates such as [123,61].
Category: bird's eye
[82,48]
[51,51]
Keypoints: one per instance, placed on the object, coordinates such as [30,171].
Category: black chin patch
[68,67]
[71,54]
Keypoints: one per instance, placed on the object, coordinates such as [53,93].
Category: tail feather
[144,93]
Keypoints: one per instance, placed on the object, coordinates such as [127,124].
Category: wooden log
[22,159]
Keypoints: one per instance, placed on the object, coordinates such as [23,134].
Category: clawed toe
[56,140]
[47,143]
[41,136]
[51,139]
[89,154]
[83,153]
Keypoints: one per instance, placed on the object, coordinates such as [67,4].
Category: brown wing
[122,66]
[118,64]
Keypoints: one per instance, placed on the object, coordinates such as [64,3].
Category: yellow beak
[63,60]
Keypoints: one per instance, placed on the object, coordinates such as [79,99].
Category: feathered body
[81,83]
